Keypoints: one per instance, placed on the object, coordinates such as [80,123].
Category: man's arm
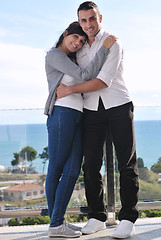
[89,86]
[104,78]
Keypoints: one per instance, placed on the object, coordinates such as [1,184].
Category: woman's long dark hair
[73,28]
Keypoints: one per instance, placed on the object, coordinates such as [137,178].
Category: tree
[45,156]
[28,153]
[140,163]
[15,160]
[156,167]
[159,160]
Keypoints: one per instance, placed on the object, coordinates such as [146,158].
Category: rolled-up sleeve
[109,69]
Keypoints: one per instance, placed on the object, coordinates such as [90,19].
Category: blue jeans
[65,158]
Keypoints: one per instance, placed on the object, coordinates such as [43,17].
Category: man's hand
[86,87]
[62,91]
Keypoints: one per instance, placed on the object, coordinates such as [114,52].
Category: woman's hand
[62,91]
[109,41]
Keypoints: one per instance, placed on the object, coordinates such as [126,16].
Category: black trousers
[119,122]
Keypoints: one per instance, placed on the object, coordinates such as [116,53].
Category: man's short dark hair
[87,5]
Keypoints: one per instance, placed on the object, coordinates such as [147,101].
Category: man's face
[90,21]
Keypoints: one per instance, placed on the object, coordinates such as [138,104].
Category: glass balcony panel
[21,128]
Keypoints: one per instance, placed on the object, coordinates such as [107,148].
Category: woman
[64,123]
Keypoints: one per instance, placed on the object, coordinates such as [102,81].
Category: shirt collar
[99,34]
[97,37]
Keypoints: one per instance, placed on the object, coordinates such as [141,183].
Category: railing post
[109,165]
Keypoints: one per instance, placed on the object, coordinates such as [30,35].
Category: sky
[29,28]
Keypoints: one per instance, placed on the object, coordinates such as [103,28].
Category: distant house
[25,191]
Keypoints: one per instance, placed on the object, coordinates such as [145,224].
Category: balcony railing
[20,128]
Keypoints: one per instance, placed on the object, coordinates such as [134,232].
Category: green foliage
[149,190]
[156,167]
[148,176]
[76,218]
[15,160]
[36,220]
[11,177]
[43,179]
[146,213]
[45,220]
[80,179]
[45,156]
[81,175]
[29,221]
[13,222]
[26,202]
[159,159]
[29,153]
[150,213]
[140,162]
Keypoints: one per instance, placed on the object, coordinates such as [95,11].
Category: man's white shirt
[111,73]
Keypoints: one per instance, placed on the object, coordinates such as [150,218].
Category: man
[107,105]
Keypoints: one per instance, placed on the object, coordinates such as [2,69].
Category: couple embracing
[87,96]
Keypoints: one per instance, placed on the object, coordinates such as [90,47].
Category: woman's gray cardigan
[57,64]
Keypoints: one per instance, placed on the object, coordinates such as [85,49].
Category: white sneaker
[124,229]
[93,225]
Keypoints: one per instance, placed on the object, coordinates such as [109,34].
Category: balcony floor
[146,229]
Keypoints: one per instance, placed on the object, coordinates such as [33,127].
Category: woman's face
[73,42]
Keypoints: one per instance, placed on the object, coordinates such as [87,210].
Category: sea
[13,137]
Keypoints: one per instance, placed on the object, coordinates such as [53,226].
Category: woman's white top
[74,100]
[57,63]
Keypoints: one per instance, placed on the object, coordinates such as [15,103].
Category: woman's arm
[59,61]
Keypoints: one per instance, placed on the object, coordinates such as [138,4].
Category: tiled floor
[146,229]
